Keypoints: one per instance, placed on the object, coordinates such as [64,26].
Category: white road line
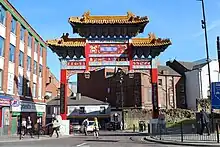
[82,144]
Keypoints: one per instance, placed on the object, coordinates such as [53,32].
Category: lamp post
[207,52]
[121,80]
[206,39]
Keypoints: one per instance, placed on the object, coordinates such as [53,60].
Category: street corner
[157,140]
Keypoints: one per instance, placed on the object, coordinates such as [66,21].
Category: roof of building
[188,65]
[150,41]
[73,101]
[130,18]
[166,70]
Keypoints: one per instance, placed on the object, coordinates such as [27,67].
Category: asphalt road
[106,139]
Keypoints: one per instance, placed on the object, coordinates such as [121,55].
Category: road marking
[82,144]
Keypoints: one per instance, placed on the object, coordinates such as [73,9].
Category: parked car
[89,128]
[75,127]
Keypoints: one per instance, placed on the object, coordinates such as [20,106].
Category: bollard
[148,128]
[217,132]
[133,127]
[38,130]
[181,130]
[20,125]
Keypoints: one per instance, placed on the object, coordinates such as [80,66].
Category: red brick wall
[25,63]
[44,62]
[17,50]
[53,84]
[95,87]
[6,54]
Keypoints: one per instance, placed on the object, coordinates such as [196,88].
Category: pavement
[188,140]
[106,139]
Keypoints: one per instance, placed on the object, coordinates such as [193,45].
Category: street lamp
[207,50]
[121,80]
[206,39]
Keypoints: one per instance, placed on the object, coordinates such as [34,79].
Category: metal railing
[185,132]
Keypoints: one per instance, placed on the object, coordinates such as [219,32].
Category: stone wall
[171,115]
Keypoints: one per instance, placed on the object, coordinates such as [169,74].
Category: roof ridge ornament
[152,36]
[65,37]
[86,15]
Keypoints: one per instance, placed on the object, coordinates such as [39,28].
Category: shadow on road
[101,140]
[124,134]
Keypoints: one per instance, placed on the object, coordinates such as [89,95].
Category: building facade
[53,86]
[104,86]
[80,108]
[197,82]
[22,66]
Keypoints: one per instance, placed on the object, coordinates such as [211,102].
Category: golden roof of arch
[130,18]
[150,41]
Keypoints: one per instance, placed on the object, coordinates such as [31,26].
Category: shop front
[23,109]
[5,102]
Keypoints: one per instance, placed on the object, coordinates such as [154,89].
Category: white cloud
[210,27]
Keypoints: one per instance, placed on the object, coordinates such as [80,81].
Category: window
[35,67]
[35,46]
[2,45]
[102,110]
[41,51]
[34,90]
[81,110]
[28,90]
[13,25]
[160,82]
[49,110]
[1,78]
[22,30]
[40,70]
[12,53]
[21,59]
[20,85]
[29,40]
[2,15]
[29,63]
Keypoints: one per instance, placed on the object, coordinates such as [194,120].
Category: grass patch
[177,124]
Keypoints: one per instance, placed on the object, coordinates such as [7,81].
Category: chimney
[78,96]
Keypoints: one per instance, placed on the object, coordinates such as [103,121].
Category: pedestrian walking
[204,122]
[85,124]
[23,126]
[29,127]
[56,126]
[96,127]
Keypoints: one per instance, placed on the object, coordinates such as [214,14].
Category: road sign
[215,95]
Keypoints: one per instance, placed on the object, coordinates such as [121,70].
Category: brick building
[22,69]
[104,86]
[53,86]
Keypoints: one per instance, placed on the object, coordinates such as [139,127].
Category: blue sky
[179,20]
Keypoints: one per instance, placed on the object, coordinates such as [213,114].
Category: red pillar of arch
[130,57]
[63,94]
[154,81]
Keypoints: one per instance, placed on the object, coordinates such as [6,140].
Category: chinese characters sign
[108,55]
[62,100]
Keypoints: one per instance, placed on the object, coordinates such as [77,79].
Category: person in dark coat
[204,122]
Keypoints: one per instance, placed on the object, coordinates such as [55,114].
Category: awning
[5,100]
[6,97]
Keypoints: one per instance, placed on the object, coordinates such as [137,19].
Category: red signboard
[76,63]
[4,102]
[108,49]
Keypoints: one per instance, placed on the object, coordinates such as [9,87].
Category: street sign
[215,95]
